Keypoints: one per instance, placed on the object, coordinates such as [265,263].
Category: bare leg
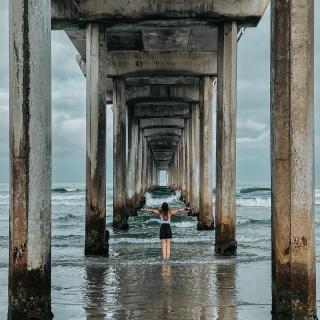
[164,248]
[168,247]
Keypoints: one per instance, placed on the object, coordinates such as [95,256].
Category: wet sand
[101,289]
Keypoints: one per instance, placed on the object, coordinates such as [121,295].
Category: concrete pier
[194,159]
[95,232]
[225,236]
[133,132]
[205,220]
[292,158]
[158,74]
[30,161]
[120,216]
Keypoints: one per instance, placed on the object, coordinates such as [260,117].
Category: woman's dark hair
[165,208]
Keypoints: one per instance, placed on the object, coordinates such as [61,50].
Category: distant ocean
[128,281]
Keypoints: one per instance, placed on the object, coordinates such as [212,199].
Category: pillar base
[95,242]
[120,226]
[131,210]
[33,301]
[311,314]
[226,249]
[205,227]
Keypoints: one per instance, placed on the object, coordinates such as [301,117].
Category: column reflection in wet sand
[160,291]
[95,291]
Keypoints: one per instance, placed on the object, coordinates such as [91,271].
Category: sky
[68,106]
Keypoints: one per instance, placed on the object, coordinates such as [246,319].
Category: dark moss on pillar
[30,294]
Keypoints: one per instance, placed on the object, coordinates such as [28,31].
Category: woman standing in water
[165,229]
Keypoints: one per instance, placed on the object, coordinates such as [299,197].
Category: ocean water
[134,283]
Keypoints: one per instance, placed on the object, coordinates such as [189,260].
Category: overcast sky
[68,106]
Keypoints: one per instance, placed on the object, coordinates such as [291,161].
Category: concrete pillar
[176,169]
[95,243]
[187,162]
[144,166]
[119,155]
[292,160]
[194,158]
[183,167]
[133,124]
[139,168]
[30,160]
[226,140]
[205,219]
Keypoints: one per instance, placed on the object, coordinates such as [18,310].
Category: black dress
[165,229]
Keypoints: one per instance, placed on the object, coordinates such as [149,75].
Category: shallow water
[133,283]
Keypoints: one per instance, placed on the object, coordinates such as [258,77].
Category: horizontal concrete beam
[72,13]
[160,122]
[162,80]
[156,92]
[164,138]
[121,63]
[165,143]
[162,150]
[164,110]
[162,131]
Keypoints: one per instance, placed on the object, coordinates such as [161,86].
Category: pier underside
[161,64]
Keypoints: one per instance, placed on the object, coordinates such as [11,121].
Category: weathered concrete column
[187,162]
[119,155]
[292,160]
[95,243]
[133,126]
[183,168]
[194,158]
[144,166]
[30,160]
[176,169]
[226,140]
[205,219]
[139,168]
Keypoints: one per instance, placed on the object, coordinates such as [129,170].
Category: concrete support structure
[205,219]
[119,155]
[194,159]
[139,168]
[30,161]
[95,239]
[133,138]
[186,154]
[292,158]
[225,214]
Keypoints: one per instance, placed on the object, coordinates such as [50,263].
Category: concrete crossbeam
[187,92]
[180,110]
[162,131]
[71,13]
[160,122]
[122,63]
[164,138]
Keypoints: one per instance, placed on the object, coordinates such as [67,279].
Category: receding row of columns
[292,155]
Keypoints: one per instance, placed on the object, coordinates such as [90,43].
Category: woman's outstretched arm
[173,212]
[154,211]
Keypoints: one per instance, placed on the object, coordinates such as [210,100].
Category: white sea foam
[185,224]
[242,221]
[181,224]
[254,202]
[157,202]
